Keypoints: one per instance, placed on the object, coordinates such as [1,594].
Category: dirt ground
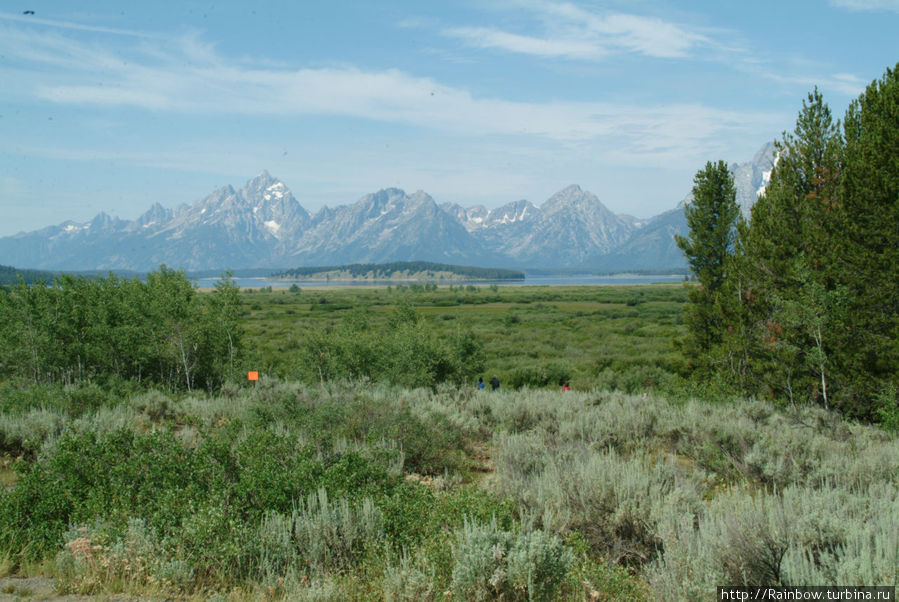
[41,588]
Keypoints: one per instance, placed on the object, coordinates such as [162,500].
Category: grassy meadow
[347,475]
[619,337]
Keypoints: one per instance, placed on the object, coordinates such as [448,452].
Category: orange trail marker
[252,376]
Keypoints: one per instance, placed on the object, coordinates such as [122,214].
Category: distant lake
[556,280]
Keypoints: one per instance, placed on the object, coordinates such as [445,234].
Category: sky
[114,106]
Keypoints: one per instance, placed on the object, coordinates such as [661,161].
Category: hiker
[481,384]
[566,386]
[494,383]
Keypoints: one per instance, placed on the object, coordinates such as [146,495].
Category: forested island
[399,271]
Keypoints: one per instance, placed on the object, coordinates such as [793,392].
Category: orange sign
[252,376]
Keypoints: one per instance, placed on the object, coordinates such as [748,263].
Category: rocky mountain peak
[514,212]
[262,224]
[155,215]
[573,199]
[260,182]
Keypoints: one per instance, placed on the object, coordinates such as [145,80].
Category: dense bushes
[407,352]
[158,331]
[300,490]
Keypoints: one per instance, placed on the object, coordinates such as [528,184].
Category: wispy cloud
[486,37]
[186,75]
[868,5]
[846,84]
[70,25]
[573,32]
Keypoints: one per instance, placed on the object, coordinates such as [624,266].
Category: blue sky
[112,106]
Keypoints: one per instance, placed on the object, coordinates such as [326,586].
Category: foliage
[495,564]
[812,304]
[407,353]
[301,490]
[157,331]
[711,216]
[868,247]
[362,489]
[589,335]
[10,275]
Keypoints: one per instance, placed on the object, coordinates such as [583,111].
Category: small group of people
[494,383]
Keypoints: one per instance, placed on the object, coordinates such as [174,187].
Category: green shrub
[319,534]
[543,375]
[407,353]
[888,409]
[409,581]
[491,564]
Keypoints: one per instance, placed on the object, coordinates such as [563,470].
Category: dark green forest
[802,300]
[10,275]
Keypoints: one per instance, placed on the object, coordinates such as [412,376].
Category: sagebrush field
[366,465]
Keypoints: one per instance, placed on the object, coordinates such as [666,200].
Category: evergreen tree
[869,247]
[788,251]
[709,248]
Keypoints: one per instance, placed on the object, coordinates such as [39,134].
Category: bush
[888,409]
[319,534]
[408,353]
[409,582]
[100,558]
[494,564]
[543,375]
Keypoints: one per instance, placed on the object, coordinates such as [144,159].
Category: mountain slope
[263,225]
[245,228]
[388,225]
[651,247]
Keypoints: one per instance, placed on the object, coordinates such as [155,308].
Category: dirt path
[30,588]
[41,588]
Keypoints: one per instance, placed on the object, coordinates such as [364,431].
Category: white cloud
[576,33]
[485,37]
[36,20]
[644,35]
[186,75]
[868,5]
[846,84]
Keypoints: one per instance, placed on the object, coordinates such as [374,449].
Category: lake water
[555,280]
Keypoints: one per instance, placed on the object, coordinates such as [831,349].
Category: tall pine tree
[869,248]
[788,252]
[709,249]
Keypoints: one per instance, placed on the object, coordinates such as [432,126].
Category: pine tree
[709,249]
[869,247]
[789,250]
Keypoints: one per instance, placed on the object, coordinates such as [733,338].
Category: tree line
[801,301]
[386,270]
[11,275]
[157,331]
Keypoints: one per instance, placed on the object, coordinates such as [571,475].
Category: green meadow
[365,465]
[618,337]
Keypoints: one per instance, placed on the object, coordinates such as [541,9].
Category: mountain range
[263,225]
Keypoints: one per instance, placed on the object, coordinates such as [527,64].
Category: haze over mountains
[263,225]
